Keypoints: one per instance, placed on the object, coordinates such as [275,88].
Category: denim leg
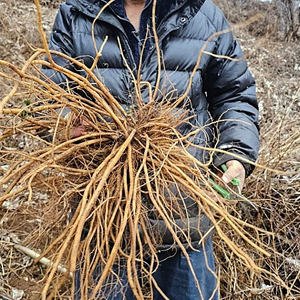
[173,276]
[112,289]
[176,280]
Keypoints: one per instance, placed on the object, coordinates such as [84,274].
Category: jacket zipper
[162,27]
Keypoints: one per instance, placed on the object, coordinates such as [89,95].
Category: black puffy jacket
[221,88]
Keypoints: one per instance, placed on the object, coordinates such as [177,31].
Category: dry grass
[277,196]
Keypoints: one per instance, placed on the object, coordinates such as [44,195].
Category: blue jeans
[174,277]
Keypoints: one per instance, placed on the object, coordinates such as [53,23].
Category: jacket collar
[91,7]
[167,7]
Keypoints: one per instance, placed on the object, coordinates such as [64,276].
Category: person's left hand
[235,170]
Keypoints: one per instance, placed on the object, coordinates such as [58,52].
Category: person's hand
[235,170]
[79,127]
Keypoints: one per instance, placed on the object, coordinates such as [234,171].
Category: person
[222,89]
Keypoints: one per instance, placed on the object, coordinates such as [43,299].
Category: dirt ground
[275,65]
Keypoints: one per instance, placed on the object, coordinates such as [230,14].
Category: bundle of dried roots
[130,167]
